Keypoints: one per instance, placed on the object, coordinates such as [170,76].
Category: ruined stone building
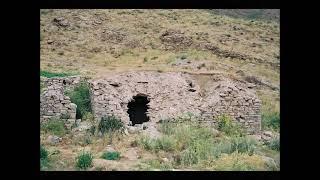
[139,97]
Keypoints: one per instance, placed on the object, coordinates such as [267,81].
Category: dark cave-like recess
[137,109]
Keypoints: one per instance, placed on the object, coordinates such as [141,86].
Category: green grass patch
[43,158]
[54,74]
[192,144]
[80,96]
[230,128]
[110,124]
[43,153]
[84,160]
[239,162]
[274,144]
[55,127]
[111,155]
[271,121]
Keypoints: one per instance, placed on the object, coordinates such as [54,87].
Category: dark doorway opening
[137,109]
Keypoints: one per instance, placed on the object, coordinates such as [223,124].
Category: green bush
[53,74]
[147,143]
[165,143]
[43,153]
[271,121]
[110,124]
[188,157]
[184,56]
[243,145]
[43,158]
[225,124]
[274,143]
[84,160]
[111,155]
[87,139]
[88,116]
[54,126]
[221,147]
[80,96]
[44,164]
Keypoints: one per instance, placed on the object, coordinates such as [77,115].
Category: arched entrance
[137,109]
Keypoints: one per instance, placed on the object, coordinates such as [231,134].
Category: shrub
[84,160]
[92,130]
[183,56]
[43,157]
[222,147]
[80,95]
[199,150]
[147,143]
[234,144]
[271,121]
[110,124]
[111,155]
[55,126]
[167,127]
[189,157]
[43,153]
[44,164]
[165,143]
[274,143]
[88,116]
[87,139]
[243,145]
[230,128]
[184,134]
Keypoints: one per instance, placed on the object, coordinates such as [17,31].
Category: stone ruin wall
[174,94]
[54,103]
[170,95]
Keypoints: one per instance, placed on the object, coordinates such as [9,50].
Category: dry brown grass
[83,50]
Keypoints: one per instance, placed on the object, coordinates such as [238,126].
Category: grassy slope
[80,49]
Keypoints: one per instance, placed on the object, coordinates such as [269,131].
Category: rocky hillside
[97,42]
[92,41]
